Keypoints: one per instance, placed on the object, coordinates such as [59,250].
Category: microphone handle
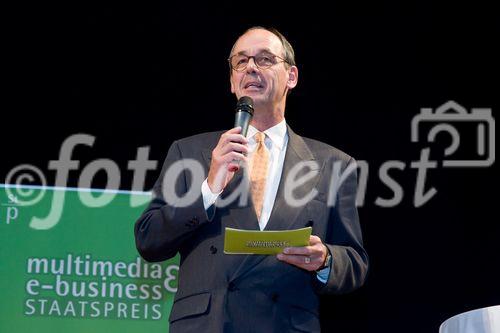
[242,119]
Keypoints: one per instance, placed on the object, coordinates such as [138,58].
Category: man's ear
[293,77]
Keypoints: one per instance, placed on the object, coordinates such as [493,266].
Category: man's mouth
[253,85]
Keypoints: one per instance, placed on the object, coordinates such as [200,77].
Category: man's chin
[257,96]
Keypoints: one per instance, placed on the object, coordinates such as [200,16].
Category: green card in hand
[237,241]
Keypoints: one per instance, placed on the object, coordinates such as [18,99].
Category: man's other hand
[310,258]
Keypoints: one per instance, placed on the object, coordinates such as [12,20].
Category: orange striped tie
[258,172]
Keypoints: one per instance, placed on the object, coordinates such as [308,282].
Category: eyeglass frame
[253,57]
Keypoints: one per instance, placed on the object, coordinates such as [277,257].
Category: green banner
[68,263]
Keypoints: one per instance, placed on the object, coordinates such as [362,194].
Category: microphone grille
[245,103]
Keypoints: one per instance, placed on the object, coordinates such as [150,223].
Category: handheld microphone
[244,114]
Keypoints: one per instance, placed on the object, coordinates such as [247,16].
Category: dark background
[144,75]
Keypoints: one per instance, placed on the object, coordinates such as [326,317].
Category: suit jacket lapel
[241,209]
[283,214]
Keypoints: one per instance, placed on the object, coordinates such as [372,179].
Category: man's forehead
[258,40]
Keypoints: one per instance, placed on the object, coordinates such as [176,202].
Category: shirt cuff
[323,274]
[209,198]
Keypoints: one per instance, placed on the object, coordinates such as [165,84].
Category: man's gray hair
[288,54]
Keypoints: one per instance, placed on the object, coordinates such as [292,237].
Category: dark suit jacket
[252,293]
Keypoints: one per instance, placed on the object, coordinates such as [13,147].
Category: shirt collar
[276,133]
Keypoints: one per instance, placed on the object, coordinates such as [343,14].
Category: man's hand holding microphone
[232,148]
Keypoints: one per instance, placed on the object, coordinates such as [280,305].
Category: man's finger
[234,138]
[236,129]
[314,240]
[298,260]
[234,146]
[302,250]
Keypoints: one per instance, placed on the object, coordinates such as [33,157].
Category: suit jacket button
[231,286]
[274,297]
[213,249]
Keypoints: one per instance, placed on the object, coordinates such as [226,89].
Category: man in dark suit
[292,182]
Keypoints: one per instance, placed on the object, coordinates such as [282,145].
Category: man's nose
[251,66]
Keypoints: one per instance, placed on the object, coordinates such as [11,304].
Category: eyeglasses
[239,62]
